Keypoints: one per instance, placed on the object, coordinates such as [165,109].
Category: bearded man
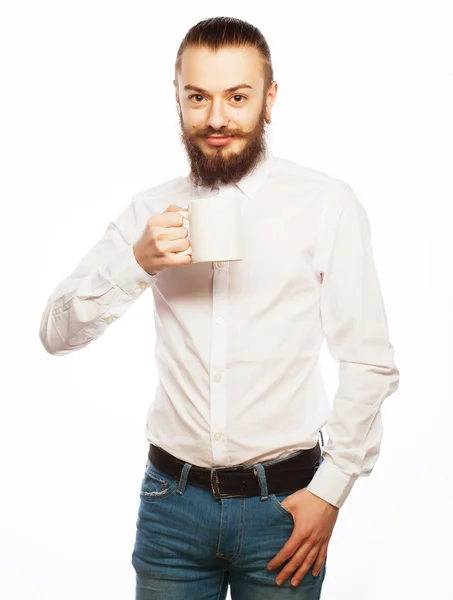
[237,491]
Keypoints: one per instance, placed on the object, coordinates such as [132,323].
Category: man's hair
[217,32]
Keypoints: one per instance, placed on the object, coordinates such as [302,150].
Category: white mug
[214,229]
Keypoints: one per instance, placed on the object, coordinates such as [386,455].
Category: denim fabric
[191,546]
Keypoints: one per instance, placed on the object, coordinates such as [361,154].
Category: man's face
[223,109]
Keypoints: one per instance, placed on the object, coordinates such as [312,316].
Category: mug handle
[185,215]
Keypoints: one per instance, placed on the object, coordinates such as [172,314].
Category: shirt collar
[251,183]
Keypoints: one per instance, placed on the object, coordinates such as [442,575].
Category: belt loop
[183,478]
[259,471]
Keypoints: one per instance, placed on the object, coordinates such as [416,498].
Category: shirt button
[218,435]
[220,265]
[219,320]
[217,377]
[143,285]
[110,319]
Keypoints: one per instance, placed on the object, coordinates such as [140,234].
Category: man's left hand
[314,520]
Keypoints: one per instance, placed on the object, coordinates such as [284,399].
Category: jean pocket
[156,485]
[276,501]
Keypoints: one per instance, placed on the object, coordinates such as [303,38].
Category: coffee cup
[214,227]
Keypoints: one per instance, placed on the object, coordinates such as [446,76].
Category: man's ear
[176,91]
[271,97]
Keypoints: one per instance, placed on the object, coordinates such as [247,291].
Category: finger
[320,559]
[306,564]
[177,259]
[291,546]
[295,561]
[173,219]
[178,245]
[174,208]
[174,233]
[166,221]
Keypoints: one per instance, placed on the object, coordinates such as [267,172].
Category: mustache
[224,133]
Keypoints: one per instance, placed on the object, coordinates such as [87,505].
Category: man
[235,490]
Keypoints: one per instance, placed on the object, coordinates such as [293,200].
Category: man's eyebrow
[231,89]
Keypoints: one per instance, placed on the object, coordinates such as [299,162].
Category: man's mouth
[218,140]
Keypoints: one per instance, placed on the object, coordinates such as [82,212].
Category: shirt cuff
[331,484]
[125,272]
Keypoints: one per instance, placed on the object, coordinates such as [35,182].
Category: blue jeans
[191,546]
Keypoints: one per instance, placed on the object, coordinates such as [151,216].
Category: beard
[207,169]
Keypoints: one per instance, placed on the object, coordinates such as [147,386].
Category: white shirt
[238,343]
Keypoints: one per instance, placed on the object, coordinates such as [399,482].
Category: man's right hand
[162,241]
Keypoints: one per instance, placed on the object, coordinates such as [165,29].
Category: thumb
[174,208]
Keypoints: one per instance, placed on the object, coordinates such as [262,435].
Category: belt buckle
[215,482]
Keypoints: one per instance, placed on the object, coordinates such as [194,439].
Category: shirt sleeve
[101,288]
[355,326]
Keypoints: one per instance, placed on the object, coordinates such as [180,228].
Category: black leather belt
[289,474]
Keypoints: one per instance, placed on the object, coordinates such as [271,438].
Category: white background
[88,118]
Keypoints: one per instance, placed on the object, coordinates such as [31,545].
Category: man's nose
[217,116]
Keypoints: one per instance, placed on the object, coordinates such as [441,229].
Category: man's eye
[237,98]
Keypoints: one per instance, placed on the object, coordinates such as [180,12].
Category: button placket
[218,361]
